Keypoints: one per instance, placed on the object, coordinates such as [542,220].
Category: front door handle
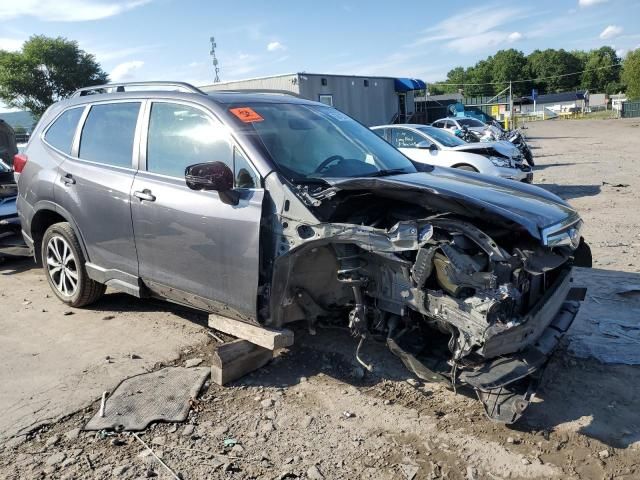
[145,195]
[68,179]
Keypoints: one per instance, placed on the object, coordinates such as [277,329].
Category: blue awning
[408,84]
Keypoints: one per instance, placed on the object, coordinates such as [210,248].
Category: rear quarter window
[61,132]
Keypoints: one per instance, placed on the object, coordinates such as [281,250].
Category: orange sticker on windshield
[246,114]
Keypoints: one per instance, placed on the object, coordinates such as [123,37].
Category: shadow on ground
[594,399]
[12,265]
[114,301]
[568,192]
[549,138]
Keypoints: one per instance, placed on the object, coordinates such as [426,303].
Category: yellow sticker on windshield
[246,114]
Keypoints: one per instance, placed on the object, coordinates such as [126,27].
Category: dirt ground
[313,413]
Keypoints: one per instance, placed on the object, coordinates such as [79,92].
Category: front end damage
[470,301]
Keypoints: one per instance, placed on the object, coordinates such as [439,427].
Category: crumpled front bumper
[506,384]
[506,381]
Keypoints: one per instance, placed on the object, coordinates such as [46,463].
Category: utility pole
[214,60]
[511,119]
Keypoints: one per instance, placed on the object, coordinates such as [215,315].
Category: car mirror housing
[212,176]
[209,176]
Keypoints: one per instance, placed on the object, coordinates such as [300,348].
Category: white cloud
[238,66]
[514,37]
[125,70]
[66,10]
[589,3]
[475,29]
[611,31]
[275,46]
[106,53]
[621,52]
[11,44]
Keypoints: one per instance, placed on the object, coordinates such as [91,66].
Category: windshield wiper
[385,172]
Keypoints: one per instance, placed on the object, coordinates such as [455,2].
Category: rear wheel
[63,264]
[467,168]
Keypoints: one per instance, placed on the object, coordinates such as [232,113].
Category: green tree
[600,71]
[559,64]
[46,70]
[509,65]
[631,74]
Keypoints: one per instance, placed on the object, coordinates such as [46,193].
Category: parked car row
[473,130]
[434,146]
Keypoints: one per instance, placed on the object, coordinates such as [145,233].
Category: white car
[426,144]
[473,124]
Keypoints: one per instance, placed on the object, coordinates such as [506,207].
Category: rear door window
[401,138]
[470,122]
[61,132]
[107,134]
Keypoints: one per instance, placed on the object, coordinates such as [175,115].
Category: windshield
[311,141]
[442,136]
[470,122]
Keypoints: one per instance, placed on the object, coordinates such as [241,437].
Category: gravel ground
[313,413]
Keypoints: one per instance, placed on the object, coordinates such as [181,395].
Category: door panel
[193,242]
[192,246]
[95,188]
[97,197]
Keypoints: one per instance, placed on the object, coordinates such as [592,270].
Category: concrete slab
[56,360]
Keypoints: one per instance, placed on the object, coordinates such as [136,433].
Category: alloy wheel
[62,266]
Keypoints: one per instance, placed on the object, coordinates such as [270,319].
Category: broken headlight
[500,161]
[565,233]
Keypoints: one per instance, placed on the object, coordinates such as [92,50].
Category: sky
[169,39]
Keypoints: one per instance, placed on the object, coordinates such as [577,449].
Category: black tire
[62,260]
[528,156]
[466,168]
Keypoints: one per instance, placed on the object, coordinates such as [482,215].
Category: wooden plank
[265,337]
[236,359]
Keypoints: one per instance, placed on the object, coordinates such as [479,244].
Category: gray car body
[279,255]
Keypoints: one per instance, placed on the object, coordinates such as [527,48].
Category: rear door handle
[68,179]
[145,195]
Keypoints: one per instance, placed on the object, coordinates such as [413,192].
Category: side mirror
[212,176]
[424,145]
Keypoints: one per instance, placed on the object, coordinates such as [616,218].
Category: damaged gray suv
[271,209]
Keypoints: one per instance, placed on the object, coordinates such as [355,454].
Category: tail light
[19,161]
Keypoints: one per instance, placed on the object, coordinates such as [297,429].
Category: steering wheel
[328,161]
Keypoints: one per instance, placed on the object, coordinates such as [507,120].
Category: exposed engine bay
[469,301]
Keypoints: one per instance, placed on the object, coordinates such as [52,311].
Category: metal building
[370,100]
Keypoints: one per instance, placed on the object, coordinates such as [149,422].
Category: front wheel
[63,264]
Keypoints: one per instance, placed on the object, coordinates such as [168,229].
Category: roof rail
[122,87]
[266,91]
